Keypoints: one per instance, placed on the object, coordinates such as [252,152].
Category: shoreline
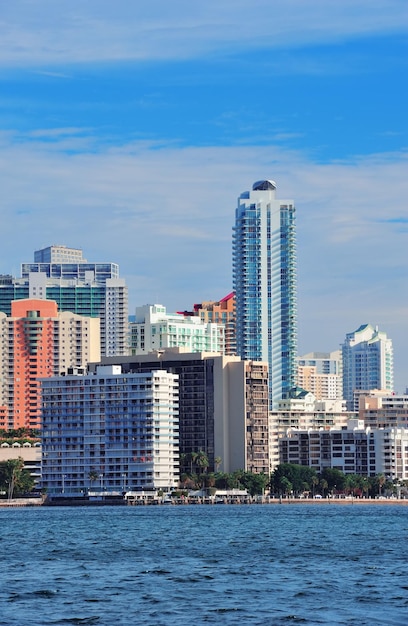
[30,503]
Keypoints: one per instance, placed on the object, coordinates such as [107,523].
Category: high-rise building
[264,281]
[321,373]
[91,289]
[223,405]
[110,432]
[154,329]
[38,342]
[367,362]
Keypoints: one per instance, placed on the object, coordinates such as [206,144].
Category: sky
[129,130]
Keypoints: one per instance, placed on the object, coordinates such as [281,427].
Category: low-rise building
[303,412]
[29,452]
[351,450]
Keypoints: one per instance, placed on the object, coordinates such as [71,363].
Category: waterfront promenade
[34,502]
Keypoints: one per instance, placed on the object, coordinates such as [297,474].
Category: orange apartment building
[38,342]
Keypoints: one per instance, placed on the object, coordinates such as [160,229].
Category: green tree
[14,479]
[300,476]
[202,461]
[255,484]
[323,486]
[335,478]
[192,459]
[352,482]
[285,486]
[379,481]
[365,485]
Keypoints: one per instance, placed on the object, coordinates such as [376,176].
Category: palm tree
[192,457]
[202,461]
[93,476]
[217,463]
[323,485]
[380,482]
[365,485]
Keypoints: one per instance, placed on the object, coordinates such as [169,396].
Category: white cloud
[166,215]
[48,33]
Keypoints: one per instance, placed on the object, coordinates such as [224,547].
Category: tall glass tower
[264,280]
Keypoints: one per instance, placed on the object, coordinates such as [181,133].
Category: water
[250,565]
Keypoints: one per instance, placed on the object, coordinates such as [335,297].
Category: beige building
[379,409]
[321,374]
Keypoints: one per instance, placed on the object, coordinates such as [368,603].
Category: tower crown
[264,185]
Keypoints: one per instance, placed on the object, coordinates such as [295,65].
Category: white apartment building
[281,421]
[59,254]
[154,329]
[110,432]
[352,450]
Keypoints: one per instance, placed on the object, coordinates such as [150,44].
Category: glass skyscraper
[264,280]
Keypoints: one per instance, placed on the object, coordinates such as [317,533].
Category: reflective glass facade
[264,280]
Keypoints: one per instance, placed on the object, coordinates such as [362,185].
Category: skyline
[144,124]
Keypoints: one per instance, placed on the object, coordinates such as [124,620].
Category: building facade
[309,418]
[381,410]
[321,373]
[110,432]
[77,286]
[264,281]
[351,450]
[155,329]
[219,312]
[367,356]
[59,254]
[38,342]
[223,405]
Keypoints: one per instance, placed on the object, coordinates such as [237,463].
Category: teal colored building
[90,289]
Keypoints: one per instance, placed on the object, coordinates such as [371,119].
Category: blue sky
[130,129]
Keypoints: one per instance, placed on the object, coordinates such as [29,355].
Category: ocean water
[221,564]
